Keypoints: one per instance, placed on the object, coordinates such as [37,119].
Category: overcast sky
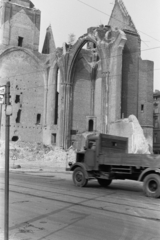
[72,16]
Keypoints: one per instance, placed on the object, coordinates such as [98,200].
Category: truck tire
[79,178]
[104,182]
[151,185]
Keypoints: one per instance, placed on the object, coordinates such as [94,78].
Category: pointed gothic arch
[108,42]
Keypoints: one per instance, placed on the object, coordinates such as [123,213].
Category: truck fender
[148,171]
[75,165]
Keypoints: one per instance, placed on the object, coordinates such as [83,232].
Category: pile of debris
[37,155]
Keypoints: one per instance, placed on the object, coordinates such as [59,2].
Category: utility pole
[6,200]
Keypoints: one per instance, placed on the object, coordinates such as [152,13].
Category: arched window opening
[57,97]
[90,125]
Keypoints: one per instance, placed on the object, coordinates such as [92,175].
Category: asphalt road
[49,207]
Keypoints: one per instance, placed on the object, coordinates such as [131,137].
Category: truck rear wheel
[151,185]
[104,182]
[79,178]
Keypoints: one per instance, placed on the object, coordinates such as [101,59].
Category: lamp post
[6,200]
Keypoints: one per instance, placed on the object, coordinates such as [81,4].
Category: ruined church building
[86,87]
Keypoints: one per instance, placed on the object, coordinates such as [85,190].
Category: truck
[106,158]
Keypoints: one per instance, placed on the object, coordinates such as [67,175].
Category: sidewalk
[44,171]
[57,173]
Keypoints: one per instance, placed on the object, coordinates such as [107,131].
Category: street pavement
[45,205]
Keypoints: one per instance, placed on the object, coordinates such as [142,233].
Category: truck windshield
[92,144]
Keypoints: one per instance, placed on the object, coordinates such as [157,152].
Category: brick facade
[156,122]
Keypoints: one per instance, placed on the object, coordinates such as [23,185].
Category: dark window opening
[155,138]
[56,109]
[142,107]
[114,144]
[17,99]
[155,121]
[90,125]
[53,138]
[156,152]
[18,119]
[57,97]
[73,132]
[20,41]
[126,61]
[156,104]
[38,118]
[15,138]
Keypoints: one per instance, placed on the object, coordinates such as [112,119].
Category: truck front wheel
[104,182]
[151,185]
[79,178]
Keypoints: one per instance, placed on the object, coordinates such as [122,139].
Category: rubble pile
[37,155]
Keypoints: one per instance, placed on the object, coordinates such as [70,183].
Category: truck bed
[123,159]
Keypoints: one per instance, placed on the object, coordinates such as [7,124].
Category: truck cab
[99,145]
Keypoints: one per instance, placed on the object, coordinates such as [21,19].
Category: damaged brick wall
[27,97]
[25,34]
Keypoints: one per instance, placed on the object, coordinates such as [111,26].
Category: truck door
[90,154]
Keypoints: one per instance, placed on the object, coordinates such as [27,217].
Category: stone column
[115,78]
[61,113]
[61,62]
[109,46]
[46,132]
[68,107]
[52,85]
[103,103]
[93,78]
[64,115]
[45,77]
[104,53]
